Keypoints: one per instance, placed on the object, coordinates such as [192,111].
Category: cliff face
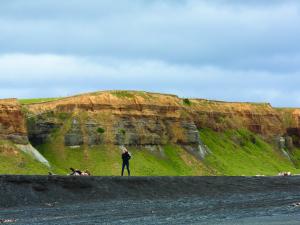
[98,123]
[258,118]
[279,124]
[291,121]
[12,122]
[119,118]
[140,118]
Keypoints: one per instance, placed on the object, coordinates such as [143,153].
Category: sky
[232,50]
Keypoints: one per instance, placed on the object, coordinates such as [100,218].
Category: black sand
[150,200]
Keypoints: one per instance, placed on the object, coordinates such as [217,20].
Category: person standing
[125,158]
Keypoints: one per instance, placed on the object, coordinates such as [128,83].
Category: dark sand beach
[150,200]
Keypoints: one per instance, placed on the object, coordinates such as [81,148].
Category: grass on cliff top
[36,100]
[243,153]
[132,94]
[123,94]
[14,161]
[106,160]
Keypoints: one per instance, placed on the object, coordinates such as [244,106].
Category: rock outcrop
[142,119]
[12,122]
[117,117]
[259,118]
[74,136]
[41,126]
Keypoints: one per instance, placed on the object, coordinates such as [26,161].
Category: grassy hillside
[243,153]
[295,157]
[142,118]
[106,161]
[14,161]
[232,153]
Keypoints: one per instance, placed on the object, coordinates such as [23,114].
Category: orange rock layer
[149,117]
[12,121]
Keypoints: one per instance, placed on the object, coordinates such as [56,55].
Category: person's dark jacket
[125,157]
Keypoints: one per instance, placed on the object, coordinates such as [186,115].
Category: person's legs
[123,166]
[128,170]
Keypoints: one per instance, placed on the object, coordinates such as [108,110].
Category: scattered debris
[297,204]
[76,172]
[284,174]
[51,204]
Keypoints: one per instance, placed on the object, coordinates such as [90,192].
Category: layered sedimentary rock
[274,124]
[40,126]
[291,119]
[120,118]
[12,122]
[141,119]
[258,118]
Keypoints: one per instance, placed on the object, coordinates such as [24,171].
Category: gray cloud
[56,75]
[211,49]
[190,32]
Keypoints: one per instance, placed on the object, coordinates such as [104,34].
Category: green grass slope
[295,156]
[243,153]
[14,161]
[106,161]
[232,153]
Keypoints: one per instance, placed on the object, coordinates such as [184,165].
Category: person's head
[124,150]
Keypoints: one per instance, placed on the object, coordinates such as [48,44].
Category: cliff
[12,122]
[161,123]
[260,118]
[141,118]
[117,117]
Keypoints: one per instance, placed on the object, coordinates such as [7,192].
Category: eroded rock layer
[12,122]
[141,118]
[120,118]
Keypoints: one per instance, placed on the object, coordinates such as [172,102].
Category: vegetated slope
[105,160]
[240,152]
[231,153]
[14,161]
[85,131]
[162,132]
[13,131]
